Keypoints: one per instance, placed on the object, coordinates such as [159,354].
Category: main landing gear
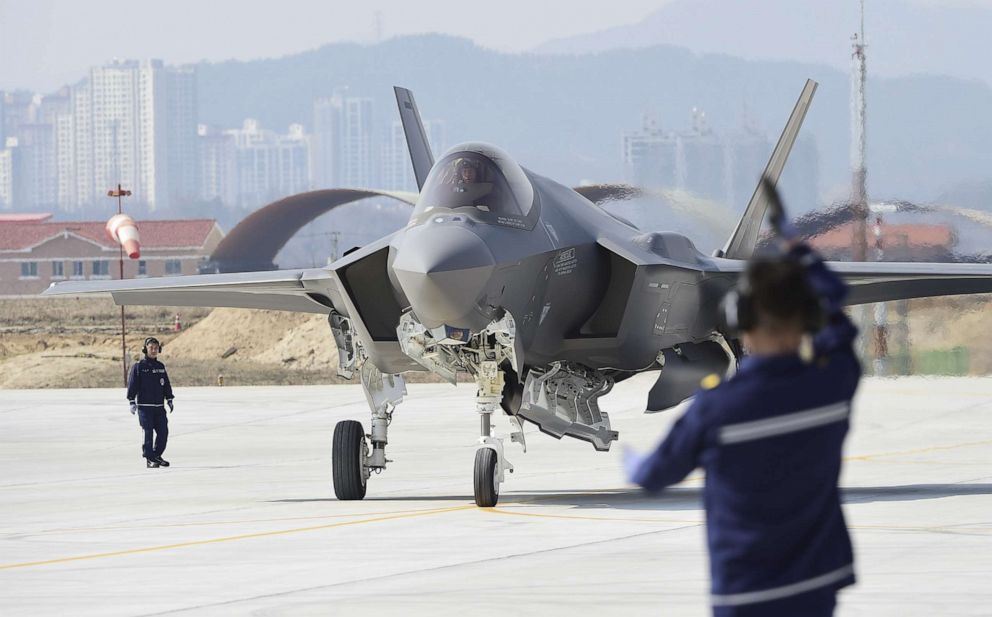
[356,455]
[352,461]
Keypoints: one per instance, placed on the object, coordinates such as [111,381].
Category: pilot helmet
[464,163]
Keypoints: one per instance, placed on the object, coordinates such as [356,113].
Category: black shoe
[150,463]
[161,461]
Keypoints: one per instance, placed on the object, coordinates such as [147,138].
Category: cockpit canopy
[482,182]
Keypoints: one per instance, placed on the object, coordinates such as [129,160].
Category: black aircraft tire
[346,460]
[486,487]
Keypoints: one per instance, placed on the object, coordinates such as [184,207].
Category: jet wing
[885,281]
[305,291]
[356,286]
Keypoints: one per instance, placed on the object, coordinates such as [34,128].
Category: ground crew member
[769,440]
[148,391]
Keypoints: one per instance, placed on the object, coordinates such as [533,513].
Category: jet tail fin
[416,137]
[742,242]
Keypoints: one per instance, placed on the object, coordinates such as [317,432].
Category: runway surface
[245,521]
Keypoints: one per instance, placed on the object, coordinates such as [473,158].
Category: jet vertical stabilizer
[416,137]
[742,241]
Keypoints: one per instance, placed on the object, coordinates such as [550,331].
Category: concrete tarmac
[245,521]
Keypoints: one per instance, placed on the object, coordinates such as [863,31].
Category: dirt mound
[80,366]
[292,340]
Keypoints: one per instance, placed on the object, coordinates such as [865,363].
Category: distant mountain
[563,115]
[904,36]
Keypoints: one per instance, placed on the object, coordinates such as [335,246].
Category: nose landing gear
[490,462]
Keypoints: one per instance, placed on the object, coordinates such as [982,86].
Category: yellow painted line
[210,523]
[914,392]
[866,457]
[591,518]
[957,529]
[947,529]
[247,536]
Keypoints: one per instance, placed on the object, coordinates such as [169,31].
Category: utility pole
[881,334]
[859,191]
[335,240]
[120,193]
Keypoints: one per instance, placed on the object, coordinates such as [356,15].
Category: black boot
[161,461]
[150,463]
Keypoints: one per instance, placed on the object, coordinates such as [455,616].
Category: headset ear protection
[150,339]
[737,307]
[738,314]
[814,315]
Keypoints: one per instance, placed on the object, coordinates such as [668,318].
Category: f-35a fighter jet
[544,298]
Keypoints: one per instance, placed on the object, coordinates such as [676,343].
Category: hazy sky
[47,43]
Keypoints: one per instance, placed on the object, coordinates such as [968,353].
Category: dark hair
[781,295]
[149,341]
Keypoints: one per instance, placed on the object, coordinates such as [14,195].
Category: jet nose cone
[443,270]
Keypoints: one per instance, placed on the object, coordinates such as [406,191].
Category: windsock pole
[120,194]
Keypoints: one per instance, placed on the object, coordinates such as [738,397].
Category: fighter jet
[544,298]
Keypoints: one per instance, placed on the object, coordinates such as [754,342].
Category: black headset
[737,307]
[738,314]
[150,339]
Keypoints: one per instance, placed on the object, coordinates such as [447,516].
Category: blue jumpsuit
[769,440]
[148,386]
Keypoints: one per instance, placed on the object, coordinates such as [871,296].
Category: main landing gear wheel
[348,454]
[486,481]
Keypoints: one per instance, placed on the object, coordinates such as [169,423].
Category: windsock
[121,228]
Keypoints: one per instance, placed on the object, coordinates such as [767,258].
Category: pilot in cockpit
[467,182]
[467,172]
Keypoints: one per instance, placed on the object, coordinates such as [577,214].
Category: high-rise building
[36,176]
[327,135]
[218,166]
[129,122]
[84,183]
[650,156]
[358,151]
[721,168]
[16,108]
[269,166]
[181,134]
[397,169]
[141,120]
[8,164]
[344,142]
[28,126]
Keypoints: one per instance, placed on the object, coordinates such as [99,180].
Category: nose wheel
[490,465]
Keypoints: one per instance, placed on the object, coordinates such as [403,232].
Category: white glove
[134,408]
[632,462]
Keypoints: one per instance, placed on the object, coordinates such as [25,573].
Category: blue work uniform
[148,387]
[769,440]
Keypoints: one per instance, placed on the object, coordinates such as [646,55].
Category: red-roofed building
[900,242]
[36,253]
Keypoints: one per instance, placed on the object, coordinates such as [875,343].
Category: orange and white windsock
[121,228]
